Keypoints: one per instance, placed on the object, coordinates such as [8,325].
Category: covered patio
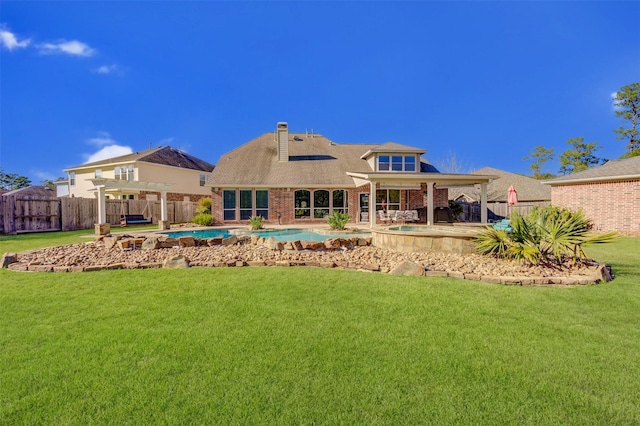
[104,185]
[416,181]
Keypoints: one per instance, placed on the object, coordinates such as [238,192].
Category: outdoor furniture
[443,215]
[384,216]
[130,219]
[396,215]
[411,216]
[503,225]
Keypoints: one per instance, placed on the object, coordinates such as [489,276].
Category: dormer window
[397,163]
[383,163]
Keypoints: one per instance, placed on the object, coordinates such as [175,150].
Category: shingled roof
[628,168]
[165,155]
[314,162]
[528,189]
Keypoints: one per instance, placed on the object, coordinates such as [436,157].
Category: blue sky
[483,82]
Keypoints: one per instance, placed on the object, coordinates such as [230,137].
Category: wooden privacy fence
[37,214]
[496,210]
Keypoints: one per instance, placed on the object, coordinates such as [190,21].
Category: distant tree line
[580,156]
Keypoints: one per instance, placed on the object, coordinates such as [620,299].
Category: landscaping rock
[176,261]
[8,259]
[229,241]
[151,243]
[186,241]
[408,268]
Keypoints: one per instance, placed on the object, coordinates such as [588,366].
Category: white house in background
[189,176]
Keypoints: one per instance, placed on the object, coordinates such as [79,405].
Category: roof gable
[163,155]
[628,168]
[528,189]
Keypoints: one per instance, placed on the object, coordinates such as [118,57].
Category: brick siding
[281,202]
[612,206]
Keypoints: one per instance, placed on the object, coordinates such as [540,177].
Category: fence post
[9,215]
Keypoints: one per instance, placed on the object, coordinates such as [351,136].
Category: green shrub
[256,222]
[338,220]
[547,235]
[456,209]
[204,206]
[205,219]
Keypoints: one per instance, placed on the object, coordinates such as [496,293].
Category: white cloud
[109,148]
[103,138]
[109,152]
[10,41]
[73,47]
[109,69]
[616,107]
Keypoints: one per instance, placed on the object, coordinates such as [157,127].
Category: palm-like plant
[546,235]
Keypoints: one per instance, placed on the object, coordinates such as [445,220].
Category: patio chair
[384,216]
[396,215]
[411,216]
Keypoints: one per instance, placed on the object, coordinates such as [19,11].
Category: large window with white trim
[302,204]
[340,201]
[387,199]
[262,203]
[124,173]
[320,203]
[229,204]
[246,203]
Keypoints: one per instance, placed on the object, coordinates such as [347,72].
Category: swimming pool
[293,234]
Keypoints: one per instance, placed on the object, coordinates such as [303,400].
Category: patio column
[429,203]
[102,227]
[483,203]
[372,204]
[163,223]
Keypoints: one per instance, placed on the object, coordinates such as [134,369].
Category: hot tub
[426,238]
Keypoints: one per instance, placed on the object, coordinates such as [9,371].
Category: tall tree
[627,103]
[540,155]
[11,181]
[579,157]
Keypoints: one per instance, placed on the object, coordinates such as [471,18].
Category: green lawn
[307,345]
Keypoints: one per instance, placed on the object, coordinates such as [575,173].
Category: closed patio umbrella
[512,197]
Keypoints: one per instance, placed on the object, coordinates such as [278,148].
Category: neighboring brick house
[295,178]
[609,195]
[187,174]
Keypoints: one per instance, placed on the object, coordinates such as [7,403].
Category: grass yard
[307,345]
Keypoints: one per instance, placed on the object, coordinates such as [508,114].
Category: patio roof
[415,179]
[107,184]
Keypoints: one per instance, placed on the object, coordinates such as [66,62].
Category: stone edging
[598,272]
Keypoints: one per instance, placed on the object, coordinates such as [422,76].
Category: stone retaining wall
[153,251]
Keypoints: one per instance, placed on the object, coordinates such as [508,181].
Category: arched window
[302,203]
[320,203]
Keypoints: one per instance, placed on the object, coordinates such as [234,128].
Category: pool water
[278,234]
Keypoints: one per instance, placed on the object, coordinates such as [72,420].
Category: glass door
[364,207]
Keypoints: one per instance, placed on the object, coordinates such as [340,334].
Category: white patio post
[102,227]
[429,203]
[483,203]
[163,223]
[372,204]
